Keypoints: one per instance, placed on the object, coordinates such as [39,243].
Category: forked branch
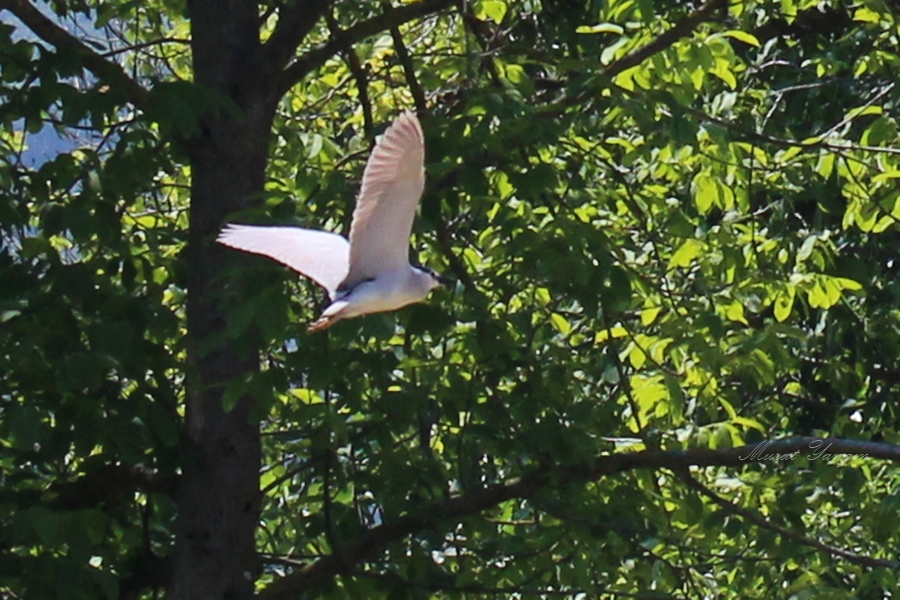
[393,18]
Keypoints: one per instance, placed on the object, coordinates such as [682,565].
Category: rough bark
[219,495]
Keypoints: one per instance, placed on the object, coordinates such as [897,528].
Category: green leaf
[306,396]
[784,302]
[866,15]
[560,323]
[686,253]
[649,392]
[601,28]
[494,10]
[649,315]
[706,193]
[825,166]
[743,36]
[735,312]
[723,71]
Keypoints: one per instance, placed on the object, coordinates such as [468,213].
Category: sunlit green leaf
[601,28]
[743,36]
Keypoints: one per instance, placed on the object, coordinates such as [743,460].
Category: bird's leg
[323,322]
[335,311]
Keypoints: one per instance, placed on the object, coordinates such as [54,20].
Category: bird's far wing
[391,187]
[319,255]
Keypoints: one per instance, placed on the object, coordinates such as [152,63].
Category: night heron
[370,273]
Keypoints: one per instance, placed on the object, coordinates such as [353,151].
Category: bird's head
[431,278]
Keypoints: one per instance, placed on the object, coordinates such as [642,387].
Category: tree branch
[681,29]
[317,56]
[346,557]
[409,70]
[796,536]
[107,71]
[109,483]
[294,24]
[359,75]
[455,509]
[818,142]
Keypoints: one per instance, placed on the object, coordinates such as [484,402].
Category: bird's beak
[444,280]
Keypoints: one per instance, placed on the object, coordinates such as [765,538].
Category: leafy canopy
[673,228]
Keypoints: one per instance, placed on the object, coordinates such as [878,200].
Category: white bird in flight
[370,273]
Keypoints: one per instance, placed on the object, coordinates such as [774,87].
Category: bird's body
[390,291]
[370,273]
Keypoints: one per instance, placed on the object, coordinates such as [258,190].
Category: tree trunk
[215,555]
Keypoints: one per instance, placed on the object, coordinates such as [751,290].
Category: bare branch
[317,56]
[106,70]
[455,509]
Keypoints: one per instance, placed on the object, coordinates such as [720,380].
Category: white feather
[391,187]
[322,256]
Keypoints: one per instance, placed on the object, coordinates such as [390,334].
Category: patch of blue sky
[50,140]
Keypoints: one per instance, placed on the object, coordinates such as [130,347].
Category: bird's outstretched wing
[319,255]
[391,187]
